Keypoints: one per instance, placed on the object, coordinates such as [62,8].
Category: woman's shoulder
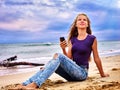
[91,36]
[73,39]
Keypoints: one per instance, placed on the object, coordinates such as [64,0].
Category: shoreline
[111,65]
[25,69]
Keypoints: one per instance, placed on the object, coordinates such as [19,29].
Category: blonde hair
[73,29]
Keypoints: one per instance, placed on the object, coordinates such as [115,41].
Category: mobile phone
[62,39]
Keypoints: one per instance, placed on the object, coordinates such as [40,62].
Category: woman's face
[82,22]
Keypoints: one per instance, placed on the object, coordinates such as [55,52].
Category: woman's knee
[55,56]
[58,55]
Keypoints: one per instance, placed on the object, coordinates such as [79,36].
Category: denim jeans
[63,66]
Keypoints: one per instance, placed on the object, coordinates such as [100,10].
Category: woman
[73,64]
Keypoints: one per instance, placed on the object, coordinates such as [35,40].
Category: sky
[24,21]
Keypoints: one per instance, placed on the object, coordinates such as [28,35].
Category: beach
[111,65]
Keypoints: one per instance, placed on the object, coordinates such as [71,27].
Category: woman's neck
[82,34]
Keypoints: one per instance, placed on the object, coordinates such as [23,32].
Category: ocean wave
[110,52]
[39,44]
[35,60]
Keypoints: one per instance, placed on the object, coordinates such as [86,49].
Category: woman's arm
[68,51]
[97,59]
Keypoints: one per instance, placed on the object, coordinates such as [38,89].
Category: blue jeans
[63,66]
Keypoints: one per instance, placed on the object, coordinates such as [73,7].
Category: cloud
[24,24]
[31,16]
[108,34]
[35,18]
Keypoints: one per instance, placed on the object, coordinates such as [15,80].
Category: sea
[43,52]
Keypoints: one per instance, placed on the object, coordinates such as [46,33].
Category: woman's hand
[63,44]
[105,75]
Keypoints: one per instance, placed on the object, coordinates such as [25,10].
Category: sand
[111,66]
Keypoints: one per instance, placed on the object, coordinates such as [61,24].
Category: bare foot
[31,86]
[18,87]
